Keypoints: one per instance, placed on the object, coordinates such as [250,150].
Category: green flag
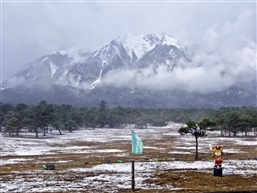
[137,144]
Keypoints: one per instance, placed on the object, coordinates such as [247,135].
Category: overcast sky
[33,29]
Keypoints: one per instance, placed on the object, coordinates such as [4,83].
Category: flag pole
[133,173]
[137,148]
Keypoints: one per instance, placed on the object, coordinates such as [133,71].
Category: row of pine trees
[39,118]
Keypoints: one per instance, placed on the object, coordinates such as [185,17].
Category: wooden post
[133,173]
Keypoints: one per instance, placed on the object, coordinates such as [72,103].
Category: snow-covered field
[86,159]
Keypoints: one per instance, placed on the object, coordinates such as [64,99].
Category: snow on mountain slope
[157,68]
[137,44]
[140,44]
[122,53]
[131,52]
[48,70]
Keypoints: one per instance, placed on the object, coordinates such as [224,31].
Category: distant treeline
[43,117]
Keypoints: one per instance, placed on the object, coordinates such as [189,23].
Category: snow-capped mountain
[81,77]
[52,69]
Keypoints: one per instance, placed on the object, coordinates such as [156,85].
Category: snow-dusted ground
[110,177]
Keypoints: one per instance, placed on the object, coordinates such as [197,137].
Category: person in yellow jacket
[217,155]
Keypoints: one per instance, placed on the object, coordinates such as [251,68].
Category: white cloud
[225,56]
[221,35]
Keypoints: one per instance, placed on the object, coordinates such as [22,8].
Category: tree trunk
[45,131]
[36,131]
[196,148]
[59,130]
[17,132]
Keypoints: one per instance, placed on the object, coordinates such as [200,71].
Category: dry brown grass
[195,181]
[188,181]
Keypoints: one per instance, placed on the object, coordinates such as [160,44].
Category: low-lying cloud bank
[225,56]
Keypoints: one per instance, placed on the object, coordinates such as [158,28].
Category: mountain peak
[148,64]
[141,43]
[137,44]
[135,38]
[151,37]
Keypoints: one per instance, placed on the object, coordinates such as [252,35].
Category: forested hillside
[44,117]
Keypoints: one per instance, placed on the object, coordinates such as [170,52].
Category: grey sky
[32,29]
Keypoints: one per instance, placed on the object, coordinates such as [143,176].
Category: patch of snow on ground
[232,151]
[13,161]
[148,147]
[109,177]
[179,152]
[243,142]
